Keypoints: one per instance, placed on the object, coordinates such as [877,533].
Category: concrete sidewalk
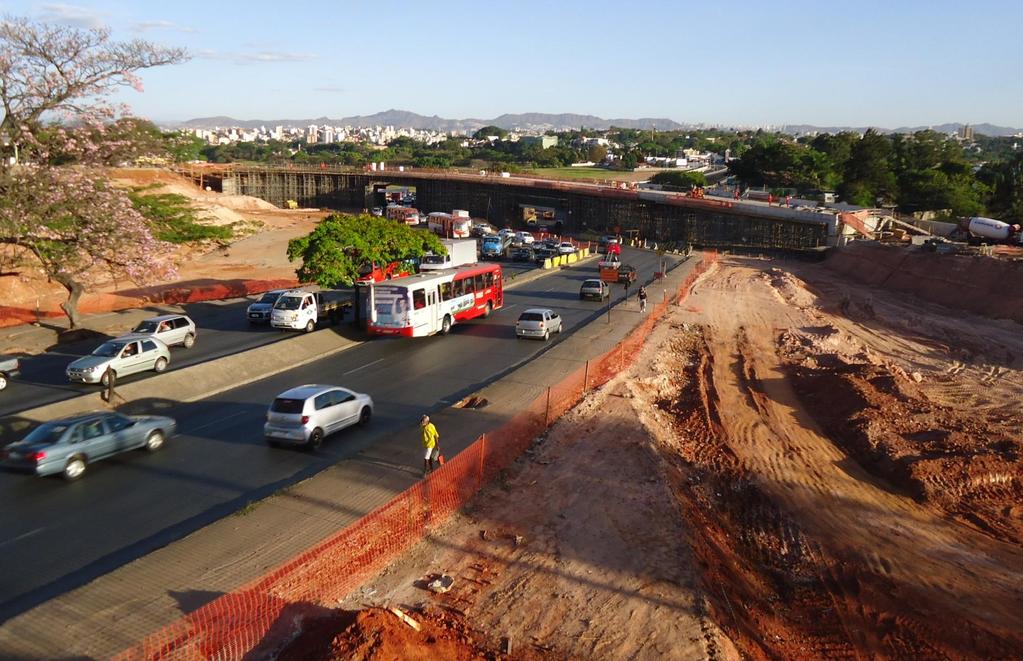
[119,609]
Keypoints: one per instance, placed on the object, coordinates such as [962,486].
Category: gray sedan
[119,358]
[69,445]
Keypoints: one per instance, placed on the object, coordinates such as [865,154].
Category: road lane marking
[215,422]
[363,367]
[22,536]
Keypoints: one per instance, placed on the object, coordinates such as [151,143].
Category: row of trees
[925,171]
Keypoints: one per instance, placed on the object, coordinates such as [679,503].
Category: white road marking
[215,422]
[363,367]
[22,536]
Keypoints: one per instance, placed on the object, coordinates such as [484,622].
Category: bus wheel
[490,308]
[445,326]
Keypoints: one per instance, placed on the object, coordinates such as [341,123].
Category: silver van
[171,329]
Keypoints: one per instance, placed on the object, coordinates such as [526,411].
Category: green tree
[869,177]
[679,179]
[333,252]
[490,130]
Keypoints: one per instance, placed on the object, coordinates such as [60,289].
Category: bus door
[433,305]
[422,314]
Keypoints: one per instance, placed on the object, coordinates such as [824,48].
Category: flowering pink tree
[56,206]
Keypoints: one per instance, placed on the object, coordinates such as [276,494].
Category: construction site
[800,462]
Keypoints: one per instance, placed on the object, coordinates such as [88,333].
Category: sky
[870,63]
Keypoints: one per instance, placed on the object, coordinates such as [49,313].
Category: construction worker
[430,438]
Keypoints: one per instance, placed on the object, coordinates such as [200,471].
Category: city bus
[449,225]
[407,215]
[433,302]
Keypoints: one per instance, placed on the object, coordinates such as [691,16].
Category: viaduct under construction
[504,200]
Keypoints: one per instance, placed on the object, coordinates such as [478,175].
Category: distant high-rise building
[278,133]
[312,133]
[966,132]
[328,135]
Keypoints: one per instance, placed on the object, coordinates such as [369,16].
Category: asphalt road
[222,330]
[55,536]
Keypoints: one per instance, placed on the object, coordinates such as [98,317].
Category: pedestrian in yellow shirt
[430,438]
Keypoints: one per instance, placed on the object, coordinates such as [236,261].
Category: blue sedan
[69,445]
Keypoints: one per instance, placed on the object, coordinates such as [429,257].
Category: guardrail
[233,624]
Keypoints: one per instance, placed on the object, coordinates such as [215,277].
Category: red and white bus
[449,225]
[433,302]
[407,215]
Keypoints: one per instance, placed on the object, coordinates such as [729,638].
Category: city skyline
[802,63]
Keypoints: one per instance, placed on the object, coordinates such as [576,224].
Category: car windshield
[148,326]
[591,283]
[530,316]
[47,433]
[269,298]
[285,405]
[288,303]
[108,349]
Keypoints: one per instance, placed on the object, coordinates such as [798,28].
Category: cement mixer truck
[989,230]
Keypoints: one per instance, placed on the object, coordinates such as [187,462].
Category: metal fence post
[586,375]
[547,411]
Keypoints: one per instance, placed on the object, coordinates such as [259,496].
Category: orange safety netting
[235,623]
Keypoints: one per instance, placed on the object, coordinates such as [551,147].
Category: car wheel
[364,416]
[189,341]
[155,440]
[445,326]
[74,468]
[581,297]
[546,335]
[3,380]
[105,379]
[560,326]
[160,365]
[315,439]
[310,326]
[490,308]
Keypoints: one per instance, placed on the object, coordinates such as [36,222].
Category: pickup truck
[9,367]
[302,310]
[626,274]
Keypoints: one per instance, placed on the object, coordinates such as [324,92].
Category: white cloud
[258,57]
[145,26]
[329,88]
[80,17]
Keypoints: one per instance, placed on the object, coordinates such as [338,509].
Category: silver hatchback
[306,414]
[171,329]
[119,358]
[538,322]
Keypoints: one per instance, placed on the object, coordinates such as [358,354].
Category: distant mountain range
[537,121]
[980,129]
[533,121]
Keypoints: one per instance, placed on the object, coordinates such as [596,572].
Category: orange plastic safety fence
[235,623]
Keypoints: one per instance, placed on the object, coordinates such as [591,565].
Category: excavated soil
[795,467]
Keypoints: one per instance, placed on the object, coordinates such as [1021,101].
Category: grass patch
[173,219]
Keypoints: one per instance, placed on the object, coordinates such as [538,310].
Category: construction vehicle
[994,231]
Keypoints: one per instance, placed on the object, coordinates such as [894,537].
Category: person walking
[642,299]
[430,438]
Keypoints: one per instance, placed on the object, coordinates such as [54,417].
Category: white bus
[449,226]
[430,303]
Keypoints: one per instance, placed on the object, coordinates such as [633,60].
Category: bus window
[479,283]
[488,278]
[418,299]
[445,291]
[468,285]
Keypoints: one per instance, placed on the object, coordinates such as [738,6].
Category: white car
[538,322]
[171,329]
[524,237]
[565,248]
[306,414]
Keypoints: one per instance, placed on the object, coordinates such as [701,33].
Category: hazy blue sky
[824,62]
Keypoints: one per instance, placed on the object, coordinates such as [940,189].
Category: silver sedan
[119,358]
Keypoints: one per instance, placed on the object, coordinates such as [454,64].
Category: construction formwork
[710,225]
